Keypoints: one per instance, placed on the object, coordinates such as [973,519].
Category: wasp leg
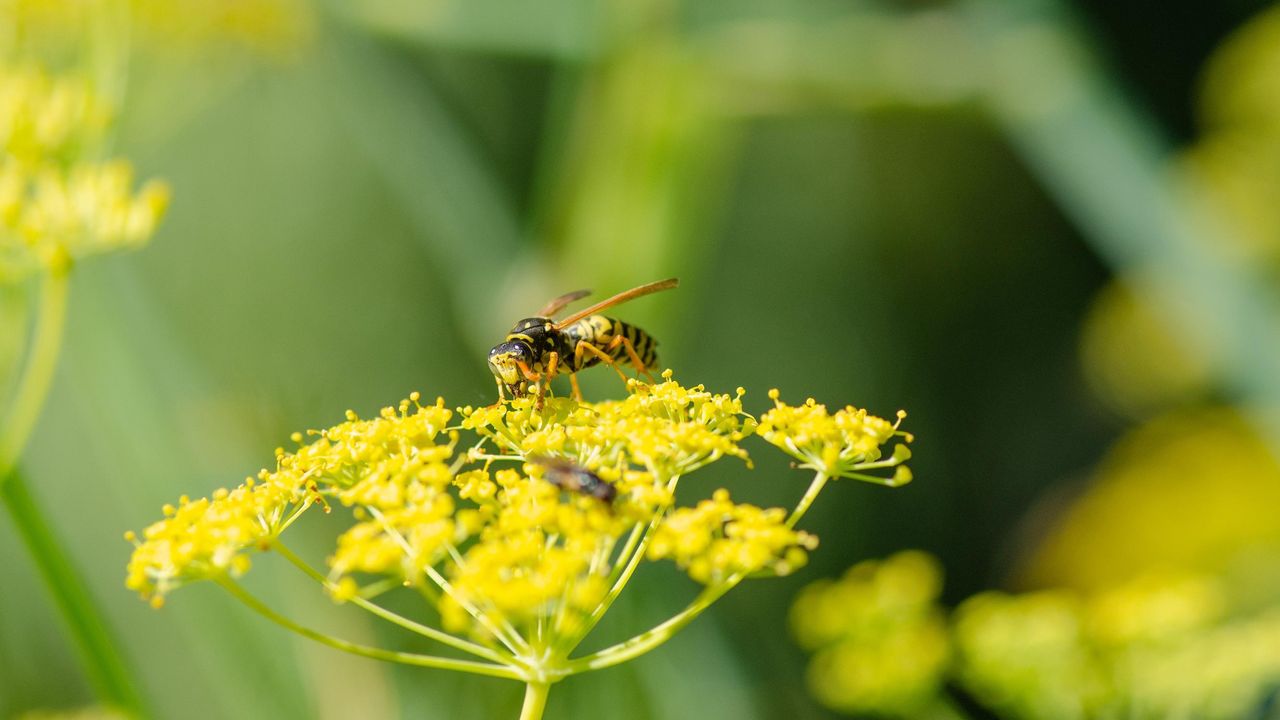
[553,362]
[577,391]
[584,347]
[502,393]
[631,355]
[529,375]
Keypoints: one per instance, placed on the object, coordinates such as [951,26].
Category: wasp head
[505,360]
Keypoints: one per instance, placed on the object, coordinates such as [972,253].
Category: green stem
[99,651]
[644,642]
[632,561]
[535,700]
[815,487]
[37,372]
[404,658]
[404,622]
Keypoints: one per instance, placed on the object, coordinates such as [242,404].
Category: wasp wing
[621,297]
[554,306]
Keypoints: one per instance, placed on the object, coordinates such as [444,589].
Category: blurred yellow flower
[56,206]
[878,637]
[1026,656]
[1160,645]
[1133,361]
[1193,490]
[273,26]
[45,117]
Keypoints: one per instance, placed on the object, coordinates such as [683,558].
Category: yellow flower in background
[1241,84]
[1161,645]
[878,637]
[272,26]
[88,713]
[49,216]
[1133,362]
[1130,354]
[467,509]
[45,117]
[1026,656]
[1193,490]
[56,206]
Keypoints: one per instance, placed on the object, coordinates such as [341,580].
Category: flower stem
[404,658]
[392,617]
[37,371]
[99,650]
[815,487]
[108,672]
[644,642]
[535,700]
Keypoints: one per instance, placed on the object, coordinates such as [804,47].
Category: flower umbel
[846,443]
[56,204]
[458,506]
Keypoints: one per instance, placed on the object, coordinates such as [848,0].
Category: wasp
[539,348]
[575,478]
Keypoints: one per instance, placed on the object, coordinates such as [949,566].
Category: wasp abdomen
[602,332]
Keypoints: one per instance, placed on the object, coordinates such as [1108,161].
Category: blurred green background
[896,205]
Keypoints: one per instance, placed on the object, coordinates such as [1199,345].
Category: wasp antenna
[632,294]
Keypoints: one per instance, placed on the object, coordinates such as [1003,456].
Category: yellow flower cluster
[665,429]
[1026,656]
[470,508]
[272,26]
[55,206]
[1193,489]
[44,117]
[846,443]
[718,539]
[1158,646]
[879,641]
[1155,647]
[87,713]
[202,538]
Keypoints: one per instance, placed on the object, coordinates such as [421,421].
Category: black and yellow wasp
[539,348]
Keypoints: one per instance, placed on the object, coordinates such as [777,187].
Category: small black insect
[575,478]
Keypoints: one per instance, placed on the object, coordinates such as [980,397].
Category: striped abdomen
[601,332]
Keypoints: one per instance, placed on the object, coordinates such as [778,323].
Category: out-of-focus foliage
[1133,362]
[879,640]
[1159,646]
[1193,490]
[1138,363]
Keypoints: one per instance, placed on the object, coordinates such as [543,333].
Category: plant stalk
[99,651]
[20,417]
[535,700]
